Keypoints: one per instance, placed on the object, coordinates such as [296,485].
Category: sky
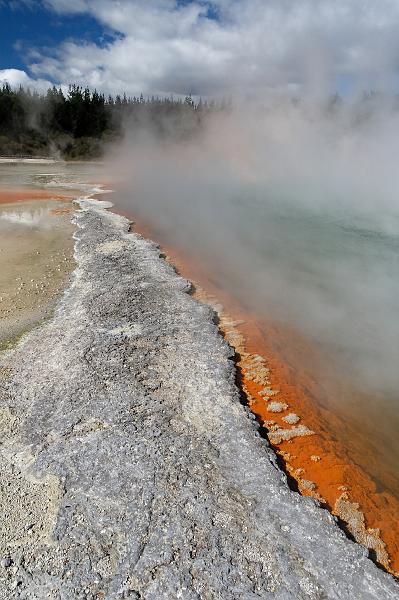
[209,48]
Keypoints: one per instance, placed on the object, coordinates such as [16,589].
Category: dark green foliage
[77,125]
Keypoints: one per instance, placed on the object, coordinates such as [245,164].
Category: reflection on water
[34,217]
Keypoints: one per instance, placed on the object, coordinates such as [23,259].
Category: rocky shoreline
[130,469]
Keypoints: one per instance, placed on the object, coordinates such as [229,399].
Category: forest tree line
[78,124]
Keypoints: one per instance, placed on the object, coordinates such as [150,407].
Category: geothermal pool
[320,281]
[330,276]
[317,290]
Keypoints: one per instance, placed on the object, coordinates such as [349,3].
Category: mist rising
[295,207]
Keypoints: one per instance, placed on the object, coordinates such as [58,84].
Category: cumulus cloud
[16,78]
[231,46]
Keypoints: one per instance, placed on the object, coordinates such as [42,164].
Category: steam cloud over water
[295,207]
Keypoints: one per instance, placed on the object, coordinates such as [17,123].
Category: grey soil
[130,469]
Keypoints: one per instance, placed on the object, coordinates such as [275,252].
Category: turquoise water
[328,270]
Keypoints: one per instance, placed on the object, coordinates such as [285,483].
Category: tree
[76,123]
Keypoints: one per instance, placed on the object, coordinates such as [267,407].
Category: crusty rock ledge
[130,469]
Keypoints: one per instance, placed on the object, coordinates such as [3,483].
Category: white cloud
[166,47]
[15,78]
[67,6]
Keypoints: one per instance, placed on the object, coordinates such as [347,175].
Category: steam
[294,207]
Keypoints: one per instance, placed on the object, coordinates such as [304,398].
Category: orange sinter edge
[21,195]
[298,428]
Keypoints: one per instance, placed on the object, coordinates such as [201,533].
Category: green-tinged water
[326,268]
[334,277]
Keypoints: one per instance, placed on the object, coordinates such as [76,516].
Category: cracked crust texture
[142,474]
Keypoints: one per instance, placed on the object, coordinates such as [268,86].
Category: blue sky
[207,47]
[25,27]
[28,25]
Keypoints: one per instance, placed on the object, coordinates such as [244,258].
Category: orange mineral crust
[23,195]
[310,440]
[301,434]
